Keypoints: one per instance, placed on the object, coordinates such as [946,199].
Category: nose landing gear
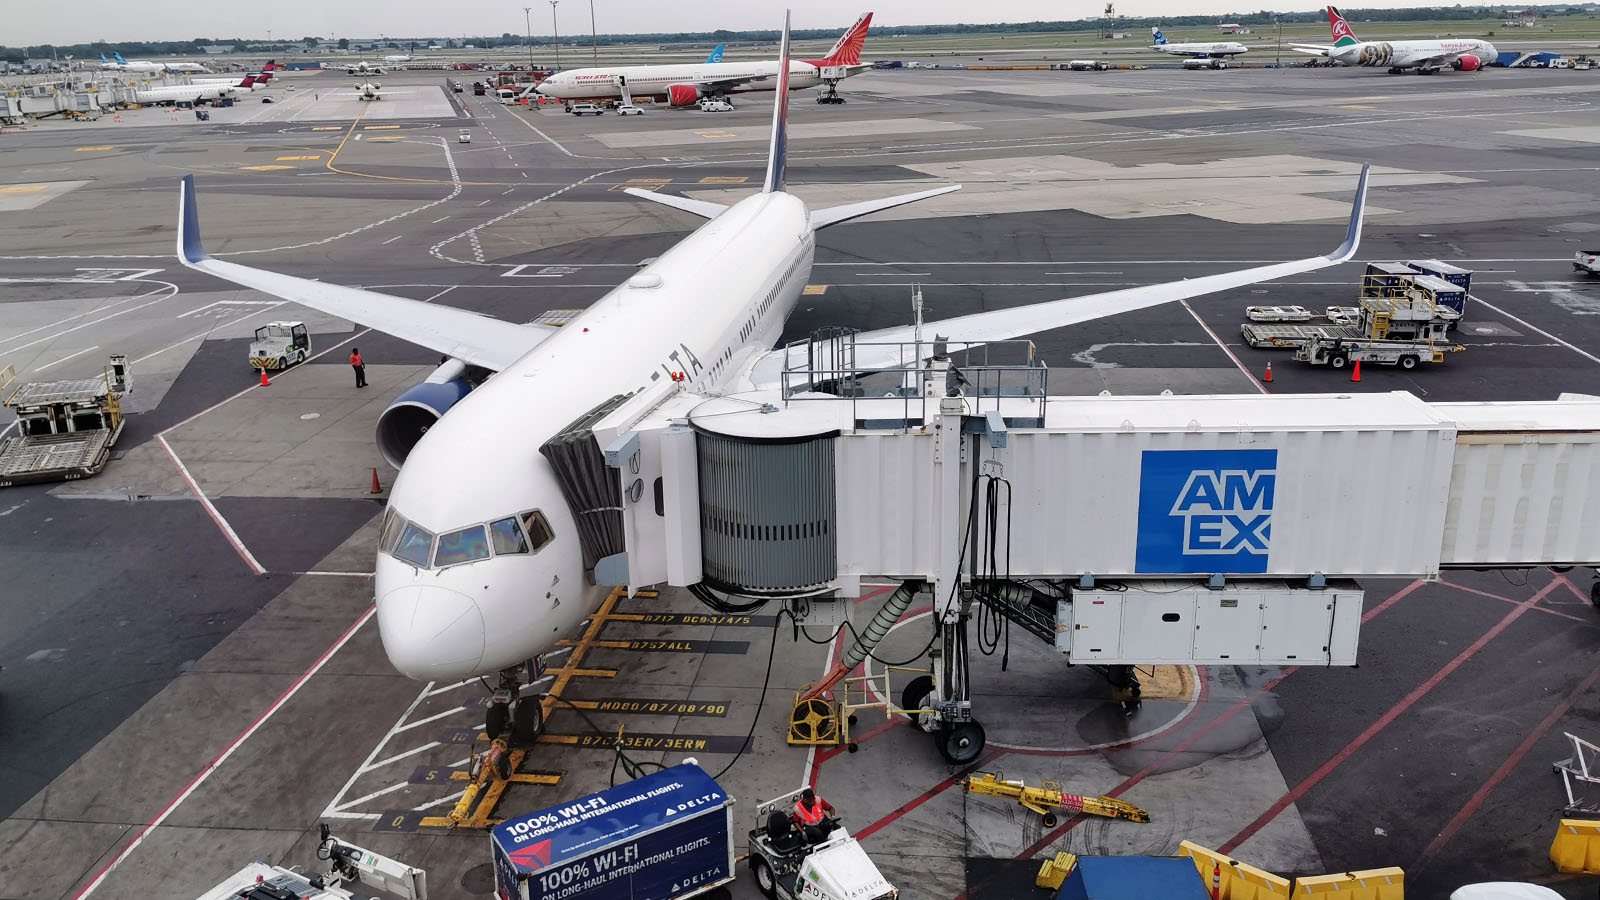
[511,719]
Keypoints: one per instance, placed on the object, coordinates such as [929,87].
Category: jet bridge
[1120,530]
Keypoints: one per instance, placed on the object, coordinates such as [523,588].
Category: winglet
[780,118]
[190,251]
[1358,211]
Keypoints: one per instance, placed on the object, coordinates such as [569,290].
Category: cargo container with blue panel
[665,836]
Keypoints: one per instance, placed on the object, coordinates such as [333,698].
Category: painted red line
[1382,722]
[1394,598]
[927,795]
[1461,587]
[222,757]
[876,592]
[1476,801]
[1588,620]
[1247,373]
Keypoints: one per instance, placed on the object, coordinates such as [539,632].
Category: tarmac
[192,680]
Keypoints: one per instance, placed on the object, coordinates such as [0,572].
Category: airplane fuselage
[1213,50]
[188,92]
[706,308]
[1411,54]
[582,84]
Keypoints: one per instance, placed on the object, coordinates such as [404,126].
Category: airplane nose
[431,633]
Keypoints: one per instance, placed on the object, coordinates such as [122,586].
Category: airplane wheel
[917,692]
[764,877]
[961,743]
[528,722]
[494,721]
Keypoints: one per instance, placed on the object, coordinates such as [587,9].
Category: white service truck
[349,866]
[279,345]
[1587,262]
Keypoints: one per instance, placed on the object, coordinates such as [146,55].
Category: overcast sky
[34,22]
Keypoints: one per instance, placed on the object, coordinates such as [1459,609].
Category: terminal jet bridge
[1122,530]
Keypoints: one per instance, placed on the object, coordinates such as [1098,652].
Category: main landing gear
[511,718]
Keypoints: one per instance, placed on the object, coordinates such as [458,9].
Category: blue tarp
[1133,878]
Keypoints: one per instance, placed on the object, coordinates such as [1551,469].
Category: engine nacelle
[412,413]
[682,95]
[1466,62]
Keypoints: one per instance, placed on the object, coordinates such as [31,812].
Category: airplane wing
[892,348]
[1444,59]
[472,338]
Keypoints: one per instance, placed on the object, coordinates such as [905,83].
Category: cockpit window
[507,537]
[538,529]
[414,546]
[461,546]
[393,522]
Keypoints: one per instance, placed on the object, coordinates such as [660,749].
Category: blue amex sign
[1205,510]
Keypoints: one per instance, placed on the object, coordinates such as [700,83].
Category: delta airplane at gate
[480,568]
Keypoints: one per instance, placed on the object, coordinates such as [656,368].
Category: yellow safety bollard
[1240,881]
[1368,884]
[1576,848]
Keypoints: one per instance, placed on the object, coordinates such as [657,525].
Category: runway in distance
[479,568]
[1202,50]
[684,85]
[1426,57]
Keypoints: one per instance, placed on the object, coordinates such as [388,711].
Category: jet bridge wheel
[961,742]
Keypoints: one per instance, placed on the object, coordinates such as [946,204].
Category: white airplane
[1204,50]
[192,92]
[369,90]
[363,68]
[261,78]
[685,84]
[140,65]
[410,54]
[480,567]
[1427,57]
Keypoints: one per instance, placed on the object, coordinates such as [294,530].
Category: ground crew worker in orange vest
[811,813]
[360,367]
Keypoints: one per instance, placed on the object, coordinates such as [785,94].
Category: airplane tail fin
[716,53]
[118,55]
[847,50]
[1158,37]
[780,119]
[271,64]
[1342,35]
[103,58]
[249,80]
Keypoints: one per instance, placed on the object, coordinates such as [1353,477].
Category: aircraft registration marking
[24,189]
[725,179]
[264,168]
[87,149]
[813,290]
[282,158]
[713,135]
[713,619]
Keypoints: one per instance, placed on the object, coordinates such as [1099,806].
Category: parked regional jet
[363,68]
[479,568]
[190,92]
[262,77]
[370,90]
[1427,57]
[140,65]
[1204,50]
[684,85]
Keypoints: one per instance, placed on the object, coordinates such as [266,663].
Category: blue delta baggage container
[1133,878]
[665,836]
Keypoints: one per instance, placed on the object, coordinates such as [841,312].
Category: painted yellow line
[326,128]
[379,127]
[23,189]
[815,289]
[265,168]
[716,134]
[282,158]
[649,180]
[725,179]
[87,149]
[388,137]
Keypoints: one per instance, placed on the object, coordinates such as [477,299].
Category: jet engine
[682,95]
[412,413]
[1466,62]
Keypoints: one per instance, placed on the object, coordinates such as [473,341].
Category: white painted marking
[433,718]
[399,756]
[211,510]
[1202,322]
[1526,324]
[332,805]
[438,220]
[67,357]
[48,338]
[222,757]
[393,239]
[228,303]
[202,335]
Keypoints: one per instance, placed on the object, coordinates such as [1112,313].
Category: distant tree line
[131,49]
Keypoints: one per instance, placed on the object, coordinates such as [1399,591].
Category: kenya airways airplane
[684,85]
[1427,57]
[479,566]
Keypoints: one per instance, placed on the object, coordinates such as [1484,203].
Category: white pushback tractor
[348,867]
[788,867]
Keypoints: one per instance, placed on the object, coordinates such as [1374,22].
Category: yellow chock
[1238,881]
[1055,871]
[1368,884]
[1576,848]
[814,722]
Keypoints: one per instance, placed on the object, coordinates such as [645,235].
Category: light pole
[526,23]
[594,37]
[554,29]
[1279,21]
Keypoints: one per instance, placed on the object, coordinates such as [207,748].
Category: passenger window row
[411,543]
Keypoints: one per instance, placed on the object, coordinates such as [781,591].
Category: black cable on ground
[760,702]
[632,768]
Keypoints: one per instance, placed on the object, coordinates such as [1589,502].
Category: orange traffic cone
[376,489]
[1355,374]
[264,381]
[1267,378]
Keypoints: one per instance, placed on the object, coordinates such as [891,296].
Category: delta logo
[534,857]
[1206,511]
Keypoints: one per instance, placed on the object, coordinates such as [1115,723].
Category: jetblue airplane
[1205,50]
[479,568]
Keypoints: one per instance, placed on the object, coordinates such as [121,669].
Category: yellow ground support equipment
[822,722]
[1234,880]
[1368,884]
[1049,797]
[1576,848]
[1055,871]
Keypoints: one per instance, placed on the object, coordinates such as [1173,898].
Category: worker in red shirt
[360,367]
[812,815]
